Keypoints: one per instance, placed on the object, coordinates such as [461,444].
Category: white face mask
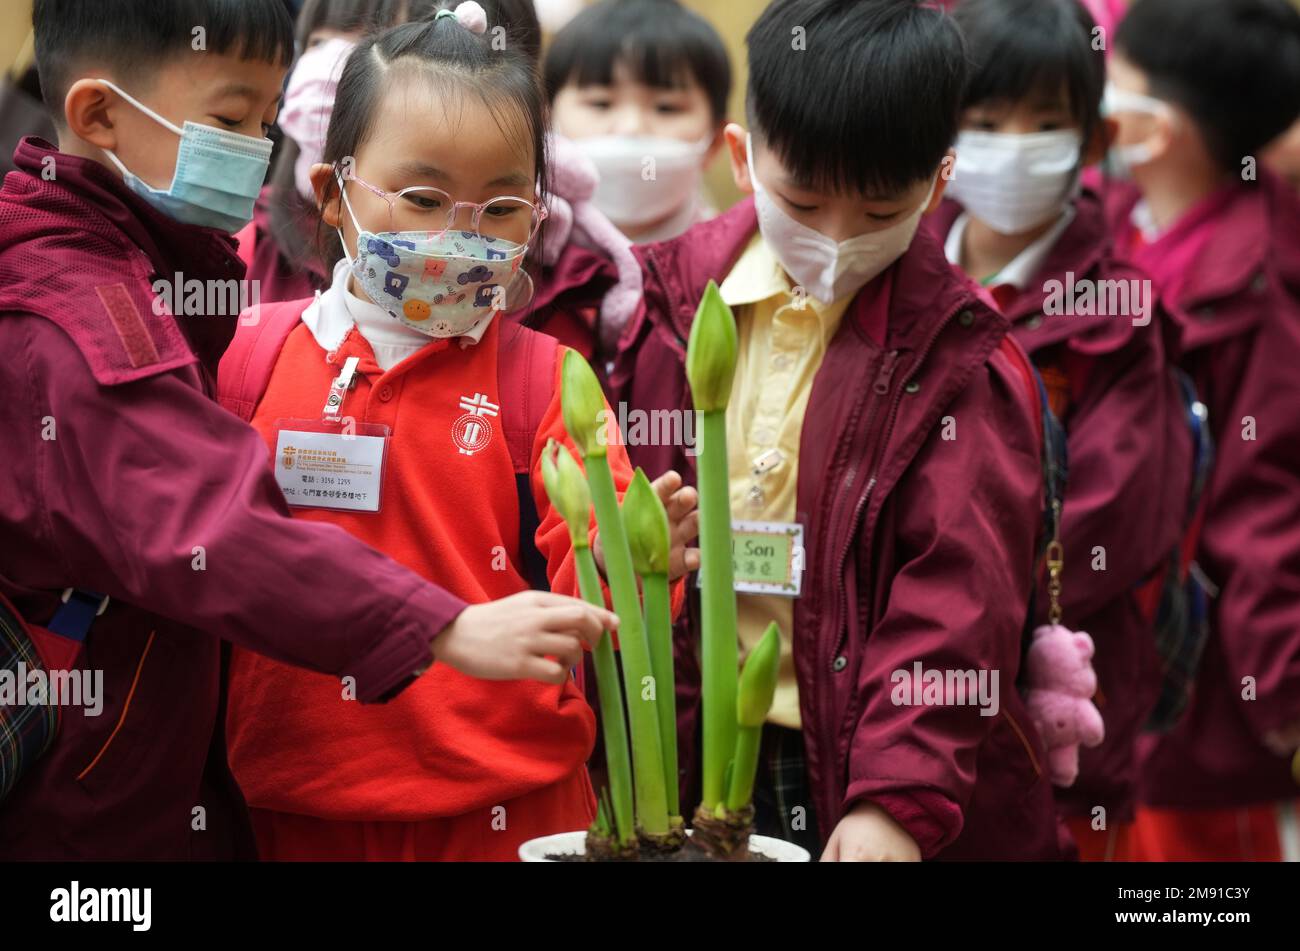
[827,269]
[644,179]
[1015,183]
[1123,158]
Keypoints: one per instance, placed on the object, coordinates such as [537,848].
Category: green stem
[612,721]
[744,767]
[647,757]
[659,629]
[720,652]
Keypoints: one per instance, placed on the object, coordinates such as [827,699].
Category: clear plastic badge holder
[333,462]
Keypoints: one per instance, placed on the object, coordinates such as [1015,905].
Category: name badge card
[767,557]
[324,465]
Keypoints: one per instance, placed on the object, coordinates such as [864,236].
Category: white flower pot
[575,843]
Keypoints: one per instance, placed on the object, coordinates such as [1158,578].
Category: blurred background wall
[732,19]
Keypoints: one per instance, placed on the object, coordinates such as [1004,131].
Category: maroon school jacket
[918,548]
[1129,449]
[124,477]
[280,278]
[567,297]
[1237,305]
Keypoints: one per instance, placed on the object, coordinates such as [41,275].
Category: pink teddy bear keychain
[1062,683]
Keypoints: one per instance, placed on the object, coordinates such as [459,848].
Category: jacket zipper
[882,379]
[880,387]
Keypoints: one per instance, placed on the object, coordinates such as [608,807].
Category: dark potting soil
[686,854]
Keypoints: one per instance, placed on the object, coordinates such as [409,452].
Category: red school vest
[450,511]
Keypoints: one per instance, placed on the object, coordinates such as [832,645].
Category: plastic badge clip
[338,389]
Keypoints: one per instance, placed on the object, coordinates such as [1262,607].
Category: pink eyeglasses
[425,208]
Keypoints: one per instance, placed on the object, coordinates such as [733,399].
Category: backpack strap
[525,387]
[247,239]
[247,364]
[526,384]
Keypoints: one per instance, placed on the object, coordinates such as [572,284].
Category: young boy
[1021,225]
[125,479]
[1199,88]
[882,407]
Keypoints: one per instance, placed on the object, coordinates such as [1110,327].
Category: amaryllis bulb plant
[640,813]
[587,419]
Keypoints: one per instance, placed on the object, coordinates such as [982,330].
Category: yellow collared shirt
[783,339]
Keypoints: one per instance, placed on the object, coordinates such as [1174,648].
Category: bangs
[661,44]
[246,29]
[1033,49]
[134,37]
[874,111]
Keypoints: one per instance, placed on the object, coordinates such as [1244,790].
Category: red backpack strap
[247,364]
[1015,354]
[526,385]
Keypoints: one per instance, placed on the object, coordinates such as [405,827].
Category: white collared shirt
[1020,269]
[337,310]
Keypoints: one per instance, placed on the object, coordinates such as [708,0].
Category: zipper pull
[886,372]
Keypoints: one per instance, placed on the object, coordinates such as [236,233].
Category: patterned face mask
[441,283]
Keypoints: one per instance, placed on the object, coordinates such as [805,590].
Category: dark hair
[1235,67]
[855,95]
[661,43]
[356,16]
[1019,47]
[504,80]
[288,209]
[133,37]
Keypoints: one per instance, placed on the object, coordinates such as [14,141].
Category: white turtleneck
[337,310]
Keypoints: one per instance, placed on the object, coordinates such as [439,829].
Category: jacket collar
[925,288]
[578,268]
[1249,241]
[1083,249]
[171,246]
[1240,231]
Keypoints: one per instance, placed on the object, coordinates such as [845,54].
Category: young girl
[1017,221]
[633,80]
[282,247]
[432,175]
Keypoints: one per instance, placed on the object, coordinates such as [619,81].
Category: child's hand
[683,526]
[870,834]
[683,523]
[533,635]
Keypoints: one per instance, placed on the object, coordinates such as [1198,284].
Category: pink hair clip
[470,15]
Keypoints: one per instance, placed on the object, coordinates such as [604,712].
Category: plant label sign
[767,557]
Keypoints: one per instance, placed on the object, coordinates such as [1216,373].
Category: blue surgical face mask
[219,174]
